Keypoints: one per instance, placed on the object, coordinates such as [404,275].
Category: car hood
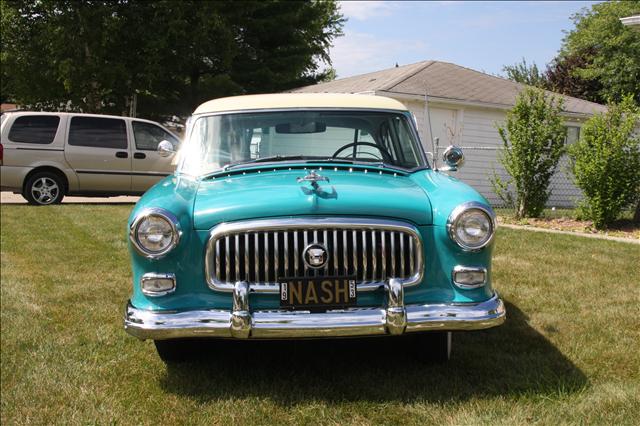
[276,193]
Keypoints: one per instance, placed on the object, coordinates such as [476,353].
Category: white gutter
[631,21]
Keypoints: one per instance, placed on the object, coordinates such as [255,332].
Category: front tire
[44,188]
[435,346]
[173,351]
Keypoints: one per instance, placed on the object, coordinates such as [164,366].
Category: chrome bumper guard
[395,318]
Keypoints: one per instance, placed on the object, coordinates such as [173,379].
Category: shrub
[605,163]
[533,138]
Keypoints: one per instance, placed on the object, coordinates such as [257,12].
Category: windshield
[229,140]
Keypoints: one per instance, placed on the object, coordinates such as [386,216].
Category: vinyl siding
[477,132]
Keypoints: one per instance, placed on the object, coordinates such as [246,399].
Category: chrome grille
[262,252]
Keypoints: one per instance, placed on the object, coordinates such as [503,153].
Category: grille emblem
[315,256]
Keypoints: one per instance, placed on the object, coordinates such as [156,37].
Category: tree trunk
[636,216]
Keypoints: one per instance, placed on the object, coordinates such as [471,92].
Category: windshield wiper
[358,162]
[265,160]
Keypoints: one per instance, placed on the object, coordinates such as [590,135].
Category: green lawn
[568,353]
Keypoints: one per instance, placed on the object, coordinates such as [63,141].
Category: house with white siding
[465,107]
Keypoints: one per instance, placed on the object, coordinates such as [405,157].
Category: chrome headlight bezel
[166,215]
[452,224]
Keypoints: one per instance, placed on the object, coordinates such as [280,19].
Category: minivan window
[98,132]
[40,129]
[148,136]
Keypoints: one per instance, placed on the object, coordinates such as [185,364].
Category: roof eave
[462,102]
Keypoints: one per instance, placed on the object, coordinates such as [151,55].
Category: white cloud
[358,53]
[363,10]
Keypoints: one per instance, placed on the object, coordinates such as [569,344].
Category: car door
[98,151]
[149,166]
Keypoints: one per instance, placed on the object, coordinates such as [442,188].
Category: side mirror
[165,148]
[453,158]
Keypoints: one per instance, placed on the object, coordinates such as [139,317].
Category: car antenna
[434,141]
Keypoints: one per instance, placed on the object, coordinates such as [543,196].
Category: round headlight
[155,232]
[471,226]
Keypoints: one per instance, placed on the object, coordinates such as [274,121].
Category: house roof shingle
[444,81]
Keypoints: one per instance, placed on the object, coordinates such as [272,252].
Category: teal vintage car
[309,216]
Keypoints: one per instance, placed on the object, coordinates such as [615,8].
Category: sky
[483,36]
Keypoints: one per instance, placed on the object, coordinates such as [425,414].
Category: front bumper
[395,318]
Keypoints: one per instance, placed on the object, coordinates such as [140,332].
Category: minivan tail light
[1,154]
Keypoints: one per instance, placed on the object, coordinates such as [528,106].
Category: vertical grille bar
[296,253]
[246,257]
[276,257]
[355,257]
[218,271]
[402,254]
[374,252]
[256,254]
[286,253]
[365,254]
[227,266]
[412,264]
[306,243]
[316,272]
[237,258]
[383,257]
[345,252]
[393,255]
[266,257]
[335,252]
[325,240]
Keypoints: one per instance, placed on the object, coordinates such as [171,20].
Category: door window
[98,132]
[38,129]
[148,136]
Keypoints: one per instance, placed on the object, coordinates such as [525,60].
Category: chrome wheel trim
[45,190]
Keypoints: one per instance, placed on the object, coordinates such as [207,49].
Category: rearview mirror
[297,128]
[453,157]
[165,148]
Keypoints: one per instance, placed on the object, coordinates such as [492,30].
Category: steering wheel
[385,154]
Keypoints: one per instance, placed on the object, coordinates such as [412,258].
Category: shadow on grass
[508,360]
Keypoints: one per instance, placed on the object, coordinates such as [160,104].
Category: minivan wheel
[44,188]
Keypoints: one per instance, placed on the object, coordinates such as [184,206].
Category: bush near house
[533,138]
[606,163]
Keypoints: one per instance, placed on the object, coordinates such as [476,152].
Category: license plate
[317,292]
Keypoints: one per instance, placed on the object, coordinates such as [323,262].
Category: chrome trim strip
[155,275]
[165,214]
[455,214]
[460,268]
[304,225]
[280,324]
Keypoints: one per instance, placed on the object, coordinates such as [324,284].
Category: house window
[573,134]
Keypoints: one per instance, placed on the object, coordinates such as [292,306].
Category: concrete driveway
[10,198]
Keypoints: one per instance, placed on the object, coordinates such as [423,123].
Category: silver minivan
[45,156]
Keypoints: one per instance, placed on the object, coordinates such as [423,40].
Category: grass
[569,352]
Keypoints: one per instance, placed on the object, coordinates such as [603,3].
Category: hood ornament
[314,178]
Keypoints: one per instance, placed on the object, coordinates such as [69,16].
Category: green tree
[600,58]
[96,55]
[524,73]
[606,162]
[533,138]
